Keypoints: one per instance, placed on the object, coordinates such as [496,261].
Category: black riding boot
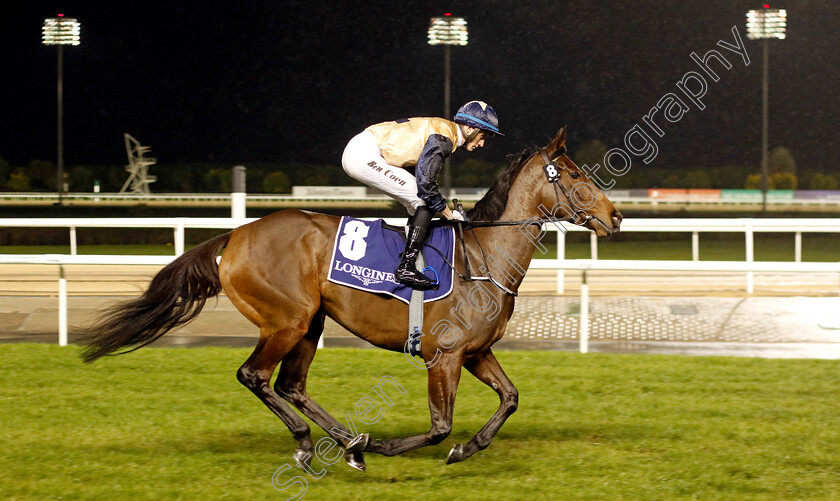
[407,273]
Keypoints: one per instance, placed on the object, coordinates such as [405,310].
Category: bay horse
[274,270]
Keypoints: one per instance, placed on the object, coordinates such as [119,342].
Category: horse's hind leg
[255,374]
[291,385]
[486,369]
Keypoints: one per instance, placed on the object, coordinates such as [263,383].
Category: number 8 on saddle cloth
[365,255]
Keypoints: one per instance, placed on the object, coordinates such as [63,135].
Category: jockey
[380,155]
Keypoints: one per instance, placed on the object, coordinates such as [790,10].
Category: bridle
[552,173]
[558,187]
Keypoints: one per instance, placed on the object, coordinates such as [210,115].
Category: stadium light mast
[764,24]
[61,31]
[447,31]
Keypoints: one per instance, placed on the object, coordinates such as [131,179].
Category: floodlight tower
[61,31]
[765,24]
[447,31]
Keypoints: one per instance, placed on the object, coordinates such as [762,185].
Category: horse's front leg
[486,368]
[443,385]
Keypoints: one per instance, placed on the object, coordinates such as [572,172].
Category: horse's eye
[575,175]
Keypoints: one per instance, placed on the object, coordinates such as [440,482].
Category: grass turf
[175,424]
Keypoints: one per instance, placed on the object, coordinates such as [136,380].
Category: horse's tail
[176,295]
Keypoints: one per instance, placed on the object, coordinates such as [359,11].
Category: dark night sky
[240,82]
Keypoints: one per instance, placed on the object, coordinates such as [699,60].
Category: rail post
[62,306]
[695,246]
[584,314]
[73,248]
[179,238]
[561,255]
[237,196]
[748,235]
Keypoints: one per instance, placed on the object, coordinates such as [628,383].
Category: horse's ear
[559,140]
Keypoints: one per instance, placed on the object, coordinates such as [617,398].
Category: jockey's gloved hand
[458,212]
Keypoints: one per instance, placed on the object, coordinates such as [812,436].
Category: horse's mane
[493,203]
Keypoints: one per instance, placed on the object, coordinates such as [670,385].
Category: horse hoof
[355,460]
[359,443]
[302,457]
[456,454]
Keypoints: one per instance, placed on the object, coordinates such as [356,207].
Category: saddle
[366,253]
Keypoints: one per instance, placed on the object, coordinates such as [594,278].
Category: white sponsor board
[328,191]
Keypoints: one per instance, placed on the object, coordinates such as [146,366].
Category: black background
[239,82]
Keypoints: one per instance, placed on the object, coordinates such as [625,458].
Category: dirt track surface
[630,311]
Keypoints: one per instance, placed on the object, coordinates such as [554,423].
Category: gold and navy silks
[424,142]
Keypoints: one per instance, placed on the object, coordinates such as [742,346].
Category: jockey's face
[477,141]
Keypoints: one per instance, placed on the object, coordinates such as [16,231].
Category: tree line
[267,177]
[40,176]
[783,173]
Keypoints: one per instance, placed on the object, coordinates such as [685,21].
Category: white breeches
[363,161]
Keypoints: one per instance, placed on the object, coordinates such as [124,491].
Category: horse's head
[566,193]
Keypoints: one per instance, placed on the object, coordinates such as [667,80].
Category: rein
[552,173]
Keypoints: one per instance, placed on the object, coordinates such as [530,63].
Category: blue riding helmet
[480,115]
